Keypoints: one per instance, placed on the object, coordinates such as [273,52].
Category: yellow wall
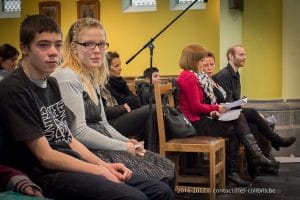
[10,27]
[129,32]
[262,37]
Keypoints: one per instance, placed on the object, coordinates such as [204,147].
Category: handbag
[177,125]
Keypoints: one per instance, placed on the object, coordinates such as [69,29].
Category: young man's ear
[24,49]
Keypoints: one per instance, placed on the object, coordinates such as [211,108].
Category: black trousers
[82,186]
[136,124]
[216,128]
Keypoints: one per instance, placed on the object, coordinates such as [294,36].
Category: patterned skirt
[152,165]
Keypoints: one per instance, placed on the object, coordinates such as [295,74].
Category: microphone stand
[150,45]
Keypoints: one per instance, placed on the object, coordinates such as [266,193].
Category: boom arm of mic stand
[165,28]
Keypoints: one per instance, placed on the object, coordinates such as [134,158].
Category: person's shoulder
[67,79]
[13,89]
[52,81]
[186,74]
[14,82]
[225,71]
[65,74]
[141,84]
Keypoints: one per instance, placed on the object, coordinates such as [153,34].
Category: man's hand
[120,171]
[109,174]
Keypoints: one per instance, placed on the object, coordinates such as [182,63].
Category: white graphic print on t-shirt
[55,128]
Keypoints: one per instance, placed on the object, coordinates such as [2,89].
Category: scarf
[110,101]
[207,86]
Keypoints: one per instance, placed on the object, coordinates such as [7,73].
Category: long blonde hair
[70,59]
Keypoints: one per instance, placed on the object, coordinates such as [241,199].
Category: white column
[230,29]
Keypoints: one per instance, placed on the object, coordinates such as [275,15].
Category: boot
[277,141]
[268,131]
[233,176]
[271,170]
[258,158]
[237,180]
[252,169]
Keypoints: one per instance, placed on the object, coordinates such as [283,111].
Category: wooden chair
[215,147]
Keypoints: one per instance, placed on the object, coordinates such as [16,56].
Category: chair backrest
[159,90]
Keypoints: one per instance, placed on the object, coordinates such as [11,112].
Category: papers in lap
[230,115]
[233,104]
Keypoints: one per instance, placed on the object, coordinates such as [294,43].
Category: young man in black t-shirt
[34,115]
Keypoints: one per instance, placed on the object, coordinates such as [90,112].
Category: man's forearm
[61,161]
[85,153]
[53,159]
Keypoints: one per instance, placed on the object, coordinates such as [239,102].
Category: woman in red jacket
[204,116]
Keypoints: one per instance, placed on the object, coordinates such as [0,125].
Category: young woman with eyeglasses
[80,77]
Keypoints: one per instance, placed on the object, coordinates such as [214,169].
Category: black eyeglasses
[92,45]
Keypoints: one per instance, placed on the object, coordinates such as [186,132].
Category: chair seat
[195,140]
[193,144]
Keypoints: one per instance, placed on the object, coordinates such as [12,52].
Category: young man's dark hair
[29,28]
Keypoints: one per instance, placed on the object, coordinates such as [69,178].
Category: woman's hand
[214,114]
[127,107]
[131,148]
[30,190]
[221,109]
[134,141]
[139,148]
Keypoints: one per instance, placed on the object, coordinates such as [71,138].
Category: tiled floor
[284,186]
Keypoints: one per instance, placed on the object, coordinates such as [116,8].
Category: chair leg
[223,160]
[212,172]
[177,169]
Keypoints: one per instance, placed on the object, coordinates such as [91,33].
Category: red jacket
[191,97]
